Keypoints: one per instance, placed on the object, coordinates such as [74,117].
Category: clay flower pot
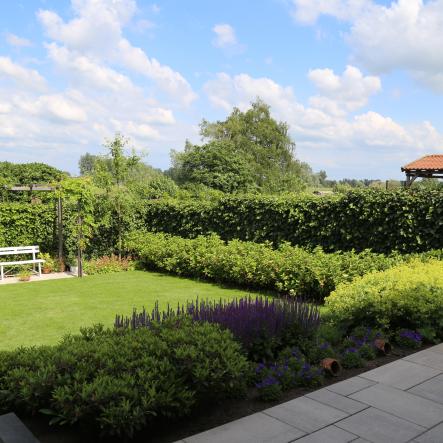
[25,278]
[46,270]
[331,366]
[382,346]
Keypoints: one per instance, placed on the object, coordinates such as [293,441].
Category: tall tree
[249,143]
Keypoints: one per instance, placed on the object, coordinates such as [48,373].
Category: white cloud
[224,35]
[97,32]
[226,39]
[83,69]
[308,11]
[15,40]
[24,77]
[322,134]
[406,34]
[349,91]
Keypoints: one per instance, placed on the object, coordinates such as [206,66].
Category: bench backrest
[19,250]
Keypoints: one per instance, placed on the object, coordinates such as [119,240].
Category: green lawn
[41,312]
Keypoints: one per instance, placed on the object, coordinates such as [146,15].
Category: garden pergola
[429,166]
[49,188]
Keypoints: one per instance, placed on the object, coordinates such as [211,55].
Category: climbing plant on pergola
[84,210]
[429,166]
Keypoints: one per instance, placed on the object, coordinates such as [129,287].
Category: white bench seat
[24,262]
[21,250]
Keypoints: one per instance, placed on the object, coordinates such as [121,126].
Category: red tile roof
[431,162]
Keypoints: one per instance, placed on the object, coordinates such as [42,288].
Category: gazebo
[429,166]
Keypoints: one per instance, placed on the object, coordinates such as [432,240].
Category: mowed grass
[42,312]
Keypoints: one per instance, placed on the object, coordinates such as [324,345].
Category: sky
[359,82]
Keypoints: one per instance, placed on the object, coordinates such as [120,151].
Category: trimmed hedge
[403,220]
[118,382]
[383,221]
[312,274]
[27,224]
[407,296]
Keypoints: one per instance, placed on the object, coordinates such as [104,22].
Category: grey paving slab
[401,374]
[434,435]
[431,389]
[403,404]
[348,387]
[428,357]
[437,348]
[256,428]
[12,430]
[330,434]
[337,401]
[306,414]
[380,427]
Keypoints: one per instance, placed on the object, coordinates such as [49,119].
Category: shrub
[121,381]
[261,325]
[291,369]
[406,296]
[409,339]
[107,265]
[288,269]
[351,358]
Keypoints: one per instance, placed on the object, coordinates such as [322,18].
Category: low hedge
[311,274]
[120,381]
[407,296]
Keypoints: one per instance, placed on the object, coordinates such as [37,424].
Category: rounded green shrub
[118,382]
[406,296]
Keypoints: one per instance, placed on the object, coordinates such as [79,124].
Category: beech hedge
[383,221]
[402,220]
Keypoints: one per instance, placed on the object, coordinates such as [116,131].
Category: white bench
[21,250]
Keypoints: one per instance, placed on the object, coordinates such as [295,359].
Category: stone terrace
[398,402]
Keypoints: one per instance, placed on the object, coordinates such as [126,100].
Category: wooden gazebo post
[429,166]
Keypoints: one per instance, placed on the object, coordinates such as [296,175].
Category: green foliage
[27,224]
[216,165]
[288,269]
[351,358]
[107,265]
[407,296]
[119,382]
[29,173]
[402,220]
[248,150]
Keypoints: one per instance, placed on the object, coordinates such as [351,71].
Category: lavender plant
[262,325]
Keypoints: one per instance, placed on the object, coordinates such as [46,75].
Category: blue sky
[360,82]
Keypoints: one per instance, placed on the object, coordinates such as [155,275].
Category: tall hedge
[403,220]
[27,224]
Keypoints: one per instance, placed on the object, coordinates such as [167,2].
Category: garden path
[398,402]
[43,277]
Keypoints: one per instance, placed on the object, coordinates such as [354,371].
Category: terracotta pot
[331,366]
[383,346]
[46,271]
[24,278]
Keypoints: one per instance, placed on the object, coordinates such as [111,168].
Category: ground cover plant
[42,312]
[289,270]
